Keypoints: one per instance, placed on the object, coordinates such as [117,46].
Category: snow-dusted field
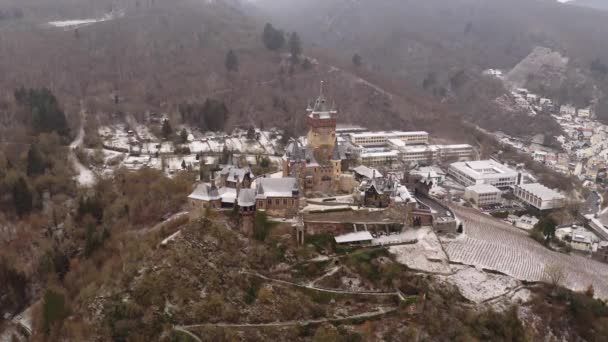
[426,255]
[492,244]
[115,136]
[478,286]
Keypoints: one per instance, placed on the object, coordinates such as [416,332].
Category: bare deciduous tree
[554,274]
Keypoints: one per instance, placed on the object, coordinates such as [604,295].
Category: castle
[317,161]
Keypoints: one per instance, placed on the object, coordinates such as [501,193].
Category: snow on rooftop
[388,135]
[367,172]
[483,189]
[354,237]
[379,154]
[483,169]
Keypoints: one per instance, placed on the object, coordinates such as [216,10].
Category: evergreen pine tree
[166,129]
[35,163]
[251,133]
[232,61]
[357,60]
[295,47]
[22,197]
[183,135]
[273,39]
[53,309]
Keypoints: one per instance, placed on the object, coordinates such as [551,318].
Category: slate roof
[247,197]
[276,187]
[235,174]
[366,172]
[205,192]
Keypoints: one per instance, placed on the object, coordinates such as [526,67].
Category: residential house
[377,192]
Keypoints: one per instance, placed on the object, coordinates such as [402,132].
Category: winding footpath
[85,177]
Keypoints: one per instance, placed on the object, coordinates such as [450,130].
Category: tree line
[45,113]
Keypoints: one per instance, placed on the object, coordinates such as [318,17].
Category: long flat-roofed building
[427,154]
[539,196]
[381,138]
[483,172]
[455,152]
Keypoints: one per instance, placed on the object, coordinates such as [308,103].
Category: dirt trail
[85,177]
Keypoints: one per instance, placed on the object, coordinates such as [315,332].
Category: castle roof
[276,187]
[246,197]
[235,174]
[205,192]
[321,108]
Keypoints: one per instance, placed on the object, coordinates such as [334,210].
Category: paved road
[441,211]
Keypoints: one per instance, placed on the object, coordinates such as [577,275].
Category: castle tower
[321,120]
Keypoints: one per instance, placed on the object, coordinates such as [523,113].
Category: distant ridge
[595,4]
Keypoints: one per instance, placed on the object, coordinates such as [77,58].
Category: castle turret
[321,120]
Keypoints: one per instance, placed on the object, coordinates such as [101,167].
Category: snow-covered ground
[479,286]
[426,255]
[74,23]
[84,177]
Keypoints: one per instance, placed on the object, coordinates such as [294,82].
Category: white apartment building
[567,110]
[584,113]
[368,139]
[427,154]
[482,194]
[483,172]
[378,158]
[539,196]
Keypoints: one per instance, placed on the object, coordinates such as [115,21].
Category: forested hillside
[158,56]
[443,46]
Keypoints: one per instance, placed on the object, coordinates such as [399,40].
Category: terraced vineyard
[494,245]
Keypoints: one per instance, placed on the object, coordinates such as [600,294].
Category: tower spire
[321,92]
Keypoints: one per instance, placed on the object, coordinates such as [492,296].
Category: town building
[483,172]
[428,154]
[539,196]
[567,110]
[363,172]
[278,196]
[579,238]
[525,222]
[377,192]
[379,157]
[235,177]
[584,112]
[483,194]
[429,174]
